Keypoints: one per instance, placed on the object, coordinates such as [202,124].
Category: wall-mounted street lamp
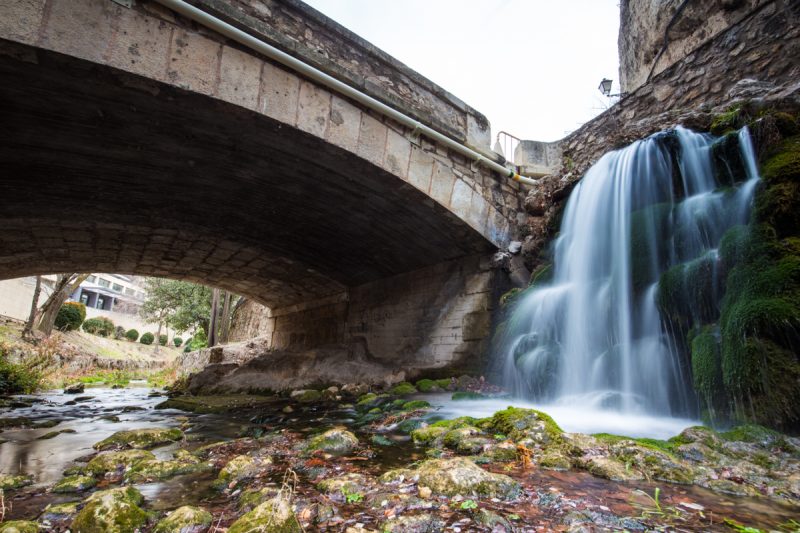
[605,88]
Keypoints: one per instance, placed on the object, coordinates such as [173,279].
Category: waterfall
[594,335]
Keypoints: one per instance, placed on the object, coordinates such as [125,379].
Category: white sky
[531,66]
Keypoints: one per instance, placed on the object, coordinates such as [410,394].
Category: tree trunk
[212,325]
[65,285]
[28,330]
[158,337]
[225,321]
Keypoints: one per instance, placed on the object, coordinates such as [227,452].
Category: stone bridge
[136,141]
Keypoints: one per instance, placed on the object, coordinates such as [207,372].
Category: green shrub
[162,340]
[177,341]
[147,338]
[17,378]
[119,333]
[69,317]
[198,341]
[99,326]
[187,348]
[132,335]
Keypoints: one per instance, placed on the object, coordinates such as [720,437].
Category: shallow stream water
[551,494]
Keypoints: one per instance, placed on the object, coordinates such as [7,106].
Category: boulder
[112,461]
[418,523]
[186,519]
[240,468]
[19,526]
[74,388]
[140,438]
[336,441]
[9,482]
[75,484]
[272,516]
[462,476]
[306,395]
[111,511]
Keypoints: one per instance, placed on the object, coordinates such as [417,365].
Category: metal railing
[506,144]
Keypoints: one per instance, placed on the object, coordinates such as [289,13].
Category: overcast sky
[531,66]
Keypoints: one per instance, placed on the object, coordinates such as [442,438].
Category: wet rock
[251,498]
[111,511]
[80,399]
[236,446]
[57,512]
[403,389]
[74,388]
[501,451]
[306,396]
[110,418]
[75,484]
[272,516]
[555,460]
[462,476]
[429,435]
[113,461]
[526,425]
[355,389]
[425,492]
[150,470]
[215,404]
[240,468]
[19,526]
[380,440]
[419,523]
[288,410]
[140,438]
[186,519]
[341,486]
[336,441]
[9,482]
[53,434]
[492,520]
[398,475]
[608,468]
[330,394]
[654,464]
[465,440]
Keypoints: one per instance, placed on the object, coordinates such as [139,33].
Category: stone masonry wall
[756,58]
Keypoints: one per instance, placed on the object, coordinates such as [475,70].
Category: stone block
[478,212]
[397,154]
[461,198]
[280,90]
[80,28]
[20,20]
[141,45]
[442,182]
[479,133]
[193,62]
[239,77]
[313,109]
[344,124]
[420,169]
[371,139]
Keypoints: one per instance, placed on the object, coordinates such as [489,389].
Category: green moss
[510,297]
[403,389]
[667,446]
[273,516]
[186,518]
[542,275]
[688,293]
[462,395]
[650,228]
[140,438]
[111,511]
[428,435]
[150,470]
[109,462]
[415,404]
[336,441]
[750,433]
[732,119]
[519,424]
[75,484]
[9,482]
[215,404]
[707,370]
[19,526]
[367,399]
[238,469]
[784,163]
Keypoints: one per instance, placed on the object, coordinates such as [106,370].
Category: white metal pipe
[222,27]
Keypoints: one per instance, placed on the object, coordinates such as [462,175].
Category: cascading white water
[593,336]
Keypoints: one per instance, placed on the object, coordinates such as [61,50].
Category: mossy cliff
[743,323]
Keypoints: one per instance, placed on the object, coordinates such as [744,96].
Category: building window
[130,292]
[104,283]
[84,298]
[91,279]
[117,287]
[101,303]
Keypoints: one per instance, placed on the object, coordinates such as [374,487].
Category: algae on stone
[240,468]
[74,484]
[111,461]
[186,519]
[336,441]
[111,511]
[462,476]
[272,516]
[19,526]
[9,482]
[140,438]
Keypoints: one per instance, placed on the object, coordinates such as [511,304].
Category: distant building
[111,292]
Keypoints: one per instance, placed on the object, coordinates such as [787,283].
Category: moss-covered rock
[216,404]
[525,424]
[111,511]
[111,461]
[19,526]
[140,438]
[413,405]
[336,441]
[9,482]
[306,396]
[240,468]
[57,512]
[462,476]
[432,385]
[340,487]
[417,523]
[732,119]
[75,484]
[151,470]
[273,516]
[249,499]
[186,519]
[467,395]
[403,389]
[428,435]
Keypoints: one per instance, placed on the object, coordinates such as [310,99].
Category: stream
[552,495]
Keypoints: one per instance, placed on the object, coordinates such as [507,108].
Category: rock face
[111,511]
[462,476]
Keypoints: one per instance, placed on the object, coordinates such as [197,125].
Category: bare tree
[225,320]
[212,325]
[65,285]
[28,329]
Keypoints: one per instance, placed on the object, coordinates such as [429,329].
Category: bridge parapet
[151,41]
